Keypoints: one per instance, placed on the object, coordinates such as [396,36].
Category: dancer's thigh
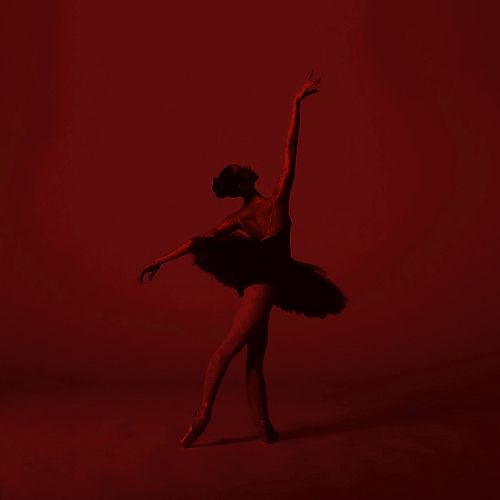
[251,316]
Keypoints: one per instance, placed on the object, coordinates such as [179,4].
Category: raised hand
[152,269]
[308,87]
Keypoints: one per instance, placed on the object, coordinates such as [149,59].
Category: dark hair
[226,183]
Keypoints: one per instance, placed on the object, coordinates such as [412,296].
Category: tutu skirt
[238,262]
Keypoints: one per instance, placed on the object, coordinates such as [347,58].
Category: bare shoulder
[244,213]
[263,216]
[229,224]
[232,220]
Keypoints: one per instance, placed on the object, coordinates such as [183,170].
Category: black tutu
[237,260]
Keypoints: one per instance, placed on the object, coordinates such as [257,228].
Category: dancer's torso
[263,222]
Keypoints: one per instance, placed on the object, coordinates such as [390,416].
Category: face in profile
[247,177]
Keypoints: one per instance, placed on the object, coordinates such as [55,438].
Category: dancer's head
[234,181]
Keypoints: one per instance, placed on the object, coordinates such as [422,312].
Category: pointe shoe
[198,425]
[267,432]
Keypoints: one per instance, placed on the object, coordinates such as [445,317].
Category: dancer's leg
[254,370]
[256,384]
[252,314]
[255,307]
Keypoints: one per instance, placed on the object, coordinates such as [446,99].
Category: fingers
[141,277]
[153,269]
[310,76]
[307,87]
[143,273]
[313,83]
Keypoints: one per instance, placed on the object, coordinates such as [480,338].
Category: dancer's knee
[255,359]
[254,366]
[224,353]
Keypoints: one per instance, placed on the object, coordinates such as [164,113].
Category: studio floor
[426,435]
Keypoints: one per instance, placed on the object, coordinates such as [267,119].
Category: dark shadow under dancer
[250,252]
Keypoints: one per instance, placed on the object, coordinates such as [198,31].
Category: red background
[115,117]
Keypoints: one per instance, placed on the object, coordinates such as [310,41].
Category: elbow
[197,241]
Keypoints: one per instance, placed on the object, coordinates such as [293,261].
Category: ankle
[266,430]
[262,420]
[264,425]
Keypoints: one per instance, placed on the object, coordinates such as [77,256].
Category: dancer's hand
[152,268]
[308,87]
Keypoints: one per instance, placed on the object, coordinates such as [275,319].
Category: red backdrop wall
[115,118]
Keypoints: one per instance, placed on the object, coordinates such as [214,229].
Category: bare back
[264,218]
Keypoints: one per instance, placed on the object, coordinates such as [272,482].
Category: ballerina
[250,252]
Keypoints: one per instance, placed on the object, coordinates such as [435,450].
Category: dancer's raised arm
[228,225]
[283,187]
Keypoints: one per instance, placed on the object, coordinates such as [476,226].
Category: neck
[251,195]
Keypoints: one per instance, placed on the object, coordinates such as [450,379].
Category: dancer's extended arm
[228,225]
[283,187]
